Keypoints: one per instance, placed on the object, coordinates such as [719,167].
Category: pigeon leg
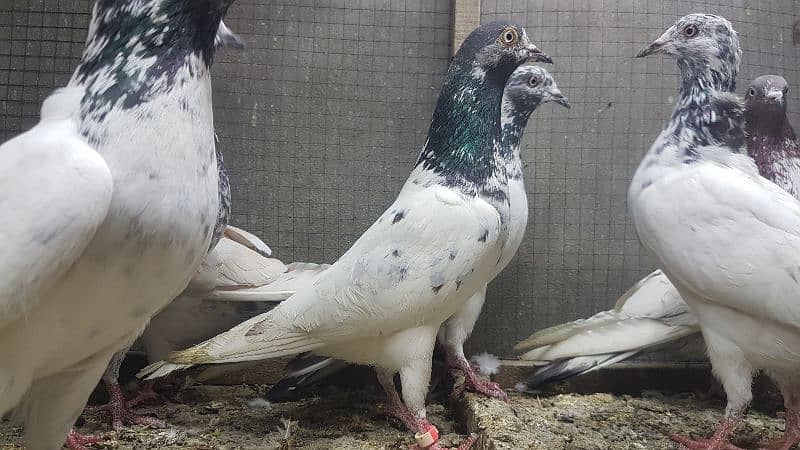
[791,435]
[395,406]
[472,381]
[397,409]
[454,333]
[719,441]
[77,441]
[144,394]
[121,415]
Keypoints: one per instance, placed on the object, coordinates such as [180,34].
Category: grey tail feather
[564,369]
[305,370]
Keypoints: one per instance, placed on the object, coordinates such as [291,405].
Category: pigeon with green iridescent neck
[85,271]
[383,302]
[528,87]
[726,238]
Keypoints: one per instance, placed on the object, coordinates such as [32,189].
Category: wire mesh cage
[323,115]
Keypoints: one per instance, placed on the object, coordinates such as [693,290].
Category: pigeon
[383,301]
[117,406]
[727,238]
[771,140]
[653,312]
[528,87]
[114,194]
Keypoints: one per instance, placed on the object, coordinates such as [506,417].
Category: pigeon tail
[565,369]
[305,371]
[297,276]
[262,337]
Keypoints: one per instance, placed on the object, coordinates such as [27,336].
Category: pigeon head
[766,98]
[766,123]
[466,122]
[706,48]
[497,46]
[527,88]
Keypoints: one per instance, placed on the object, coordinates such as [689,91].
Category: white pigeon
[652,312]
[383,301]
[101,236]
[118,406]
[727,238]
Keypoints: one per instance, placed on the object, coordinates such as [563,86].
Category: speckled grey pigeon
[727,238]
[117,406]
[652,312]
[383,302]
[113,230]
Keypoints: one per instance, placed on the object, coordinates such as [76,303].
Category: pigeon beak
[557,97]
[227,38]
[534,54]
[775,96]
[656,46]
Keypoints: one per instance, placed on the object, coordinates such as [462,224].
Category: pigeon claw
[76,441]
[121,414]
[715,443]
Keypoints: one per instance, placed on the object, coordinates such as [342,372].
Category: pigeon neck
[761,122]
[699,79]
[513,125]
[466,124]
[773,148]
[132,45]
[224,212]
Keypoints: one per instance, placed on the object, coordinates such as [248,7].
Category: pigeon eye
[690,31]
[509,36]
[534,81]
[751,92]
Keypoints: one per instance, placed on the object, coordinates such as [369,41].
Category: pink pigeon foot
[473,382]
[145,394]
[76,441]
[121,415]
[719,441]
[791,435]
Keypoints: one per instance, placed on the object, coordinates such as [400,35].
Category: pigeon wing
[56,190]
[397,276]
[737,243]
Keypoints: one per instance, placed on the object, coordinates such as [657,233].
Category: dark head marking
[527,88]
[132,44]
[466,121]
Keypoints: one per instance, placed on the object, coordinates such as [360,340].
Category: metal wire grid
[322,116]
